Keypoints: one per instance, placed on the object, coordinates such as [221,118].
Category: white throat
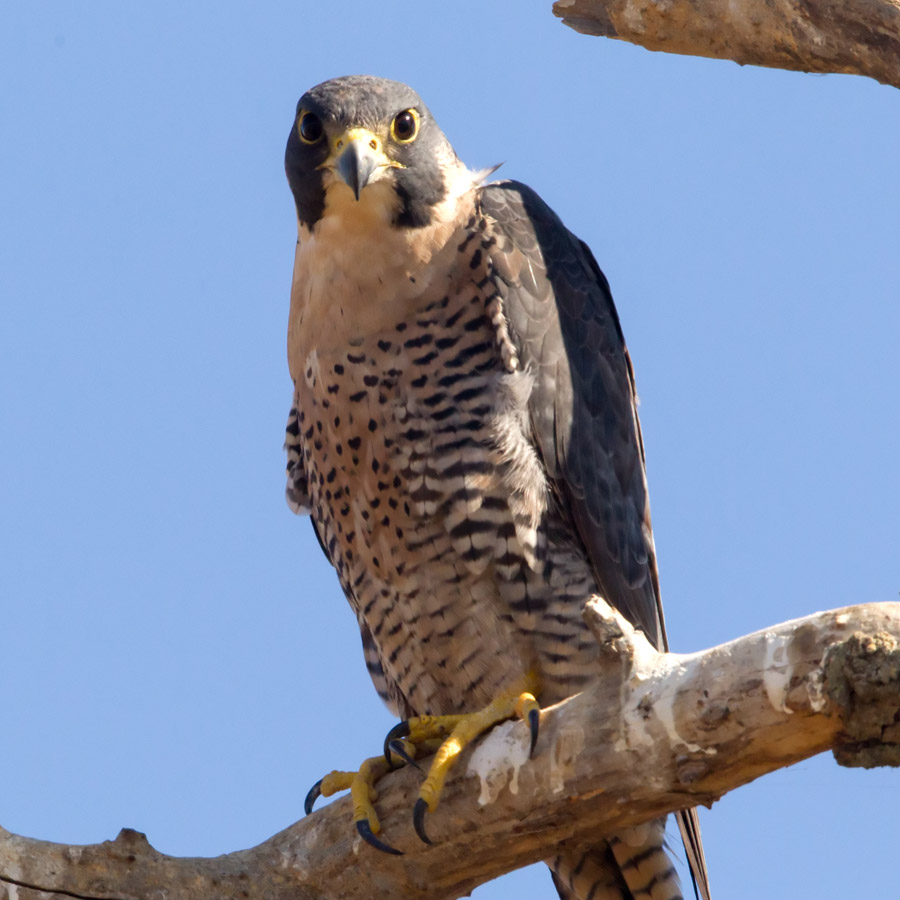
[356,272]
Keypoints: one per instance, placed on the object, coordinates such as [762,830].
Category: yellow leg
[458,732]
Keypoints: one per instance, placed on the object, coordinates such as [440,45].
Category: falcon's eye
[310,128]
[405,126]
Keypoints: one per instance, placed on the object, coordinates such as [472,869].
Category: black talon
[534,723]
[314,793]
[396,747]
[419,811]
[400,730]
[365,832]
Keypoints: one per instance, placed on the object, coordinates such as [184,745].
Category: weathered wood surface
[655,734]
[859,37]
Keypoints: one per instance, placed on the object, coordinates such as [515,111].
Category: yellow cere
[363,135]
[356,134]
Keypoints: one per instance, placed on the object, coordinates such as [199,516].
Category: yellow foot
[363,793]
[448,735]
[455,734]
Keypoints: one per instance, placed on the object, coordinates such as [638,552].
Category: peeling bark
[859,37]
[656,733]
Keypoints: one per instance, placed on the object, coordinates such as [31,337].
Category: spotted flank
[297,490]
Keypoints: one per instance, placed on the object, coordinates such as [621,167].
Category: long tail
[634,865]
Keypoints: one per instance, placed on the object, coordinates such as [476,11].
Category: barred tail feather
[645,863]
[592,874]
[633,865]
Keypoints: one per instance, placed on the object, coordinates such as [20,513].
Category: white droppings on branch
[566,749]
[776,671]
[639,701]
[631,14]
[14,873]
[497,760]
[815,688]
[678,666]
[653,695]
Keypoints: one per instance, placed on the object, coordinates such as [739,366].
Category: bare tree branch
[858,37]
[656,733]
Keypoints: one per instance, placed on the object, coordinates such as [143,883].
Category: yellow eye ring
[310,128]
[405,126]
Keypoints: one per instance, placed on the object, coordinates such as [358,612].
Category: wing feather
[583,407]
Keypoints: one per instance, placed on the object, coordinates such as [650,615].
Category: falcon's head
[372,142]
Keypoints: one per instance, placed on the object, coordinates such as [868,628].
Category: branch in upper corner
[658,733]
[858,37]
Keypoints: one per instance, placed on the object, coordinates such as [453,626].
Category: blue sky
[177,656]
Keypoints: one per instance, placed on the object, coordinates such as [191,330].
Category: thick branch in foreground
[655,734]
[857,37]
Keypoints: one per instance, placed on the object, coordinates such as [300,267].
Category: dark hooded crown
[364,101]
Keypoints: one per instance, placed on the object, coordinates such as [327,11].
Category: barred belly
[437,514]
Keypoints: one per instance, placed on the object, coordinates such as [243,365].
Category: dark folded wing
[582,408]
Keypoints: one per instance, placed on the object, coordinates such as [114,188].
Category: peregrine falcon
[464,434]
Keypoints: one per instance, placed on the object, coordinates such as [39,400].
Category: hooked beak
[359,158]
